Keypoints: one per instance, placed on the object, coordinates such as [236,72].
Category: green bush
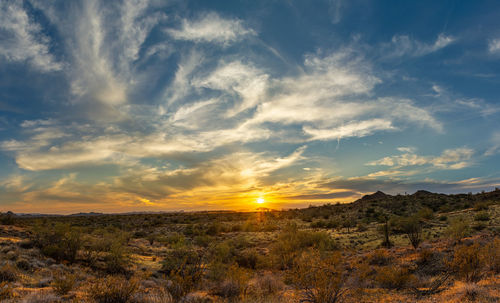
[60,241]
[426,213]
[458,229]
[292,241]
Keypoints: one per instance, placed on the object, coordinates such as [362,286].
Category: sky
[136,105]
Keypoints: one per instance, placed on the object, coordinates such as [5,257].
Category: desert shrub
[443,218]
[412,227]
[174,239]
[479,206]
[268,284]
[361,227]
[430,263]
[214,229]
[203,241]
[234,285]
[117,260]
[394,277]
[458,229]
[63,284]
[291,241]
[184,268]
[60,241]
[112,289]
[319,279]
[482,216]
[26,244]
[23,264]
[7,218]
[426,213]
[468,262]
[248,259]
[471,292]
[8,273]
[228,289]
[492,256]
[379,257]
[479,226]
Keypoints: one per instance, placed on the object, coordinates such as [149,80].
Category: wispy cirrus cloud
[22,39]
[495,145]
[211,27]
[457,158]
[404,45]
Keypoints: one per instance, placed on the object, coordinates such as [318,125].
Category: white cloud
[212,28]
[406,149]
[21,39]
[335,10]
[103,43]
[352,129]
[495,145]
[457,158]
[238,81]
[494,46]
[402,45]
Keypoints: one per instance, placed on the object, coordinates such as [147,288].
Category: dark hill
[372,206]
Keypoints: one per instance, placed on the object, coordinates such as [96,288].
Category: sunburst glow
[260,201]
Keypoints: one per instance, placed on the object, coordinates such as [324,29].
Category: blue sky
[162,105]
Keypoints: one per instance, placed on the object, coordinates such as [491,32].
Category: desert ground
[423,247]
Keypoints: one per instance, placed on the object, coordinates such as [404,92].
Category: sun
[260,200]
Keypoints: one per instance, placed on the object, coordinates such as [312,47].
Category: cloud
[457,158]
[102,43]
[22,40]
[333,91]
[352,129]
[237,80]
[406,149]
[335,10]
[402,45]
[211,28]
[495,145]
[494,46]
[327,196]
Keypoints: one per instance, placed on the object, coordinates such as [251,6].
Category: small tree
[412,227]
